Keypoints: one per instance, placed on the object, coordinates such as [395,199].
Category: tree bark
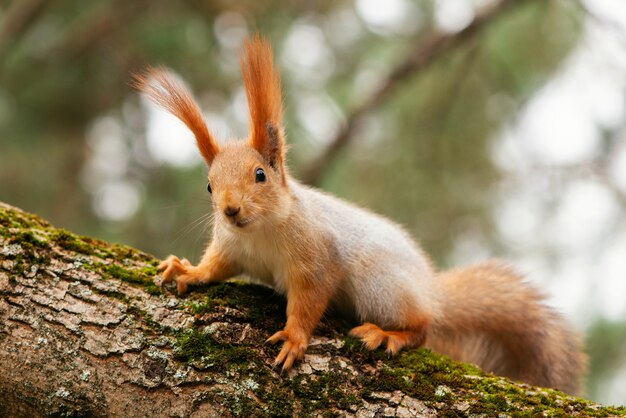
[85,332]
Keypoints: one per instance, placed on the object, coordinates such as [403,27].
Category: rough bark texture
[85,332]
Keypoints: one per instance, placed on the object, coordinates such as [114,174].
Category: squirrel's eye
[260,175]
[208,187]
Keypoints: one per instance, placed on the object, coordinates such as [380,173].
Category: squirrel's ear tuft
[167,91]
[262,83]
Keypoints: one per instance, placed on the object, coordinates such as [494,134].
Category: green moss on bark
[201,350]
[225,343]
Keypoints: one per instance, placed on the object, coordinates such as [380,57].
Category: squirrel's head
[247,179]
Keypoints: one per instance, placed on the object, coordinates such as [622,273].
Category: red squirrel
[319,251]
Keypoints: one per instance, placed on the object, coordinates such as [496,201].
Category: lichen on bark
[85,332]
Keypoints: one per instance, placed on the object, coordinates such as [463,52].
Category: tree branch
[17,18]
[100,22]
[426,53]
[85,332]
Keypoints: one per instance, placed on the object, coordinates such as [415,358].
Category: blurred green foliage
[605,345]
[423,157]
[71,64]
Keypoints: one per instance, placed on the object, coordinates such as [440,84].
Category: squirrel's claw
[279,336]
[174,268]
[292,350]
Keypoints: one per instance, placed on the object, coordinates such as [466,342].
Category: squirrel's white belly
[258,258]
[386,291]
[263,271]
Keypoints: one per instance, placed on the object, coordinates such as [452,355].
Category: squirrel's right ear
[167,91]
[262,84]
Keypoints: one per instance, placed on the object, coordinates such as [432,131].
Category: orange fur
[165,90]
[411,334]
[373,337]
[262,85]
[214,267]
[492,318]
[318,250]
[305,306]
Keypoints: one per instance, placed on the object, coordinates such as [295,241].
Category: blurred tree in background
[409,98]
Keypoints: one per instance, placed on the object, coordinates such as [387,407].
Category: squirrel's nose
[231,211]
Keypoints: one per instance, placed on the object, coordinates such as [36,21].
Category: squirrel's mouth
[240,223]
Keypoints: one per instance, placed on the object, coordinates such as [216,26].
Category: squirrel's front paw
[293,348]
[174,268]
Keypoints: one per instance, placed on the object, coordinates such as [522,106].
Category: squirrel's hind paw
[370,335]
[373,336]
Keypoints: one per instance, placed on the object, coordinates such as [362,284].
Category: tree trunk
[85,332]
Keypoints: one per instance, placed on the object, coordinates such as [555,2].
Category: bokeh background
[490,128]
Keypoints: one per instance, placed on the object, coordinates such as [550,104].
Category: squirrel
[321,251]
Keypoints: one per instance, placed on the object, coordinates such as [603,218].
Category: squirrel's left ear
[167,91]
[262,83]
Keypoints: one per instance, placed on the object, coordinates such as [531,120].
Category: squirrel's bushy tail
[490,317]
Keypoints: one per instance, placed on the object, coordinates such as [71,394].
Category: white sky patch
[605,97]
[343,28]
[239,107]
[230,29]
[453,15]
[517,217]
[104,175]
[108,152]
[319,115]
[507,153]
[612,280]
[468,249]
[389,16]
[585,215]
[568,289]
[169,140]
[307,55]
[117,200]
[611,10]
[556,128]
